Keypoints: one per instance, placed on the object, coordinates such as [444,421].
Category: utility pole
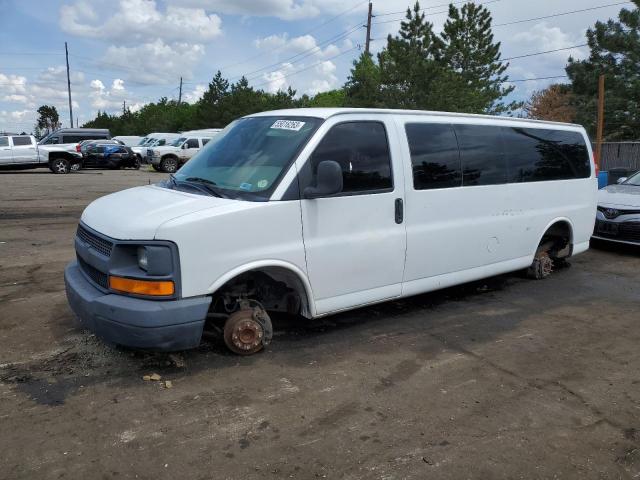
[66,52]
[124,107]
[180,94]
[366,48]
[600,132]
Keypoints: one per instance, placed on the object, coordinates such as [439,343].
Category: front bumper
[166,325]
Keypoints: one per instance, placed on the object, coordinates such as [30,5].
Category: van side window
[435,157]
[362,150]
[4,141]
[537,155]
[482,152]
[21,141]
[205,141]
[192,143]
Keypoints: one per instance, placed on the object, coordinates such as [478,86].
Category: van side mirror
[621,179]
[328,180]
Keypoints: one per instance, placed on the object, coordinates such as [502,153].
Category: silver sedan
[618,215]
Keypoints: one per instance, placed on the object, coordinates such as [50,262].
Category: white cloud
[304,45]
[156,62]
[134,21]
[277,80]
[195,94]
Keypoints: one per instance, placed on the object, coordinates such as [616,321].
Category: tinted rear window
[21,141]
[537,155]
[435,158]
[482,153]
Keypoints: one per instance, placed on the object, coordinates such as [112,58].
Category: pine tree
[411,73]
[615,52]
[473,58]
[207,109]
[363,85]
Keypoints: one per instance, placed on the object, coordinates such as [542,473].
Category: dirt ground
[504,378]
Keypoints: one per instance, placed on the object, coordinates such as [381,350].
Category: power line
[308,68]
[422,10]
[546,51]
[536,79]
[515,22]
[300,35]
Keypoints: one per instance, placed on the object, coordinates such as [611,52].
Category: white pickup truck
[22,152]
[170,157]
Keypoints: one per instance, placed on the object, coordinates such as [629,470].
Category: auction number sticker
[288,125]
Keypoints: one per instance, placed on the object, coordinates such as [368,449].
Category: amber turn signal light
[142,287]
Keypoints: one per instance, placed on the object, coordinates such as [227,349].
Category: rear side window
[192,143]
[4,141]
[435,158]
[205,141]
[537,155]
[362,150]
[482,153]
[21,141]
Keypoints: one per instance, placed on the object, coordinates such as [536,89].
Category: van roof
[331,112]
[82,130]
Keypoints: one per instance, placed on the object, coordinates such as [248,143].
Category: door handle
[399,211]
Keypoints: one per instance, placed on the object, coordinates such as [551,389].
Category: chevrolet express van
[318,211]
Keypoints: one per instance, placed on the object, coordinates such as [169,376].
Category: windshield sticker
[262,183]
[288,125]
[246,186]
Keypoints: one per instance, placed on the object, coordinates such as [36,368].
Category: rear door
[354,242]
[24,150]
[6,156]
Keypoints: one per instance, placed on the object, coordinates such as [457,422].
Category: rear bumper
[615,240]
[134,322]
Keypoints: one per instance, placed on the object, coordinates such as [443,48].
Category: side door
[24,150]
[355,240]
[458,211]
[192,147]
[6,157]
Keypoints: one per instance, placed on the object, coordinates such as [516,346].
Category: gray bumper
[134,322]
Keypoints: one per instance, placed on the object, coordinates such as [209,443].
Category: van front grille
[97,243]
[94,274]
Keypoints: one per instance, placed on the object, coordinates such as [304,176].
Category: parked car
[128,140]
[71,136]
[22,151]
[85,145]
[106,155]
[318,211]
[618,215]
[153,139]
[172,156]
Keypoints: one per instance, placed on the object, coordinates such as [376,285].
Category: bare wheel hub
[541,267]
[247,330]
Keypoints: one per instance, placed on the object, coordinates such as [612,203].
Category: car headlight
[143,258]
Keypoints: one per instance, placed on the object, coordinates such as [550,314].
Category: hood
[620,196]
[136,213]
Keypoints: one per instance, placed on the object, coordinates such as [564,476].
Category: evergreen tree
[363,85]
[207,108]
[411,73]
[615,52]
[476,72]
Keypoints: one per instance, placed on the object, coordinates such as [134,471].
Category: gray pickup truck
[22,152]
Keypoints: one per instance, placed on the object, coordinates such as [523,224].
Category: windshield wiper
[201,184]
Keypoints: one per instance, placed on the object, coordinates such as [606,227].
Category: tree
[329,99]
[48,120]
[411,74]
[615,52]
[553,103]
[476,76]
[363,85]
[208,107]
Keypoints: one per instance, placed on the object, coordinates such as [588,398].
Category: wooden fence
[620,155]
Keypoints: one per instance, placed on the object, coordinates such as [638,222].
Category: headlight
[143,258]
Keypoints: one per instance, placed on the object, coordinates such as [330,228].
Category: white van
[317,211]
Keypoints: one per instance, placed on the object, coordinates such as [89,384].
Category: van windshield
[250,155]
[633,180]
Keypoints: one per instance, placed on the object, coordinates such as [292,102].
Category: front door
[355,241]
[191,147]
[6,156]
[24,150]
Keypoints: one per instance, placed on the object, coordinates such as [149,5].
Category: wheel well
[558,240]
[169,155]
[276,288]
[65,155]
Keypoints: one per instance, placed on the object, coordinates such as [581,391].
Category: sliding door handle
[399,211]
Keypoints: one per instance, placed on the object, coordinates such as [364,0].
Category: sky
[135,51]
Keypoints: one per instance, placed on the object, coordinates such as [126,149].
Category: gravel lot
[504,378]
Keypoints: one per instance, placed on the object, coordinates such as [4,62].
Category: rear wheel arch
[559,230]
